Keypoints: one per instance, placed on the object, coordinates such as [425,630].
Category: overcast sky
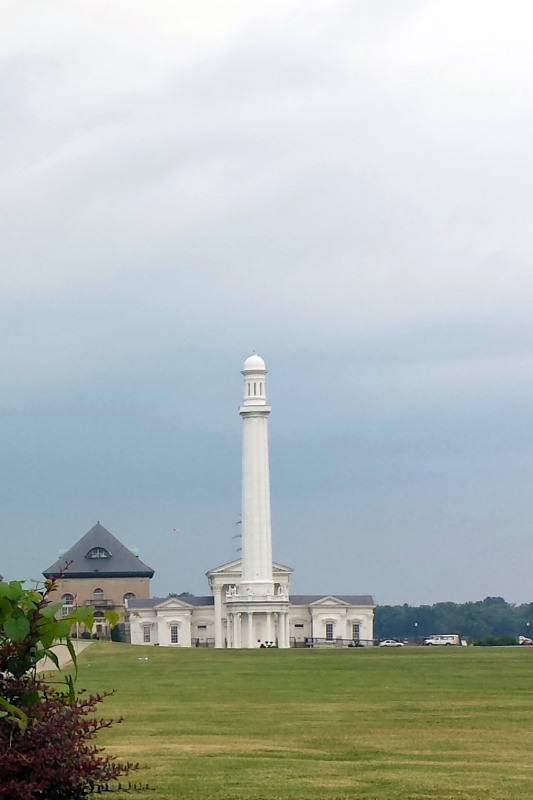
[344,187]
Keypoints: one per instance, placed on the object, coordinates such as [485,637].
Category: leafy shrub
[47,750]
[496,641]
[117,633]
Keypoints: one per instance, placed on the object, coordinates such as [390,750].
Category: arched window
[98,552]
[98,594]
[68,603]
[128,596]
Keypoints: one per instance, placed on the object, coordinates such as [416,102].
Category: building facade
[312,621]
[100,571]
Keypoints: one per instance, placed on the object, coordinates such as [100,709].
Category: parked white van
[442,639]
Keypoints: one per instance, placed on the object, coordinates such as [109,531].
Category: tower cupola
[254,372]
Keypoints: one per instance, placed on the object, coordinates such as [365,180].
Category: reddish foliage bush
[47,747]
[54,757]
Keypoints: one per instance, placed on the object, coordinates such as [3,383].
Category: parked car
[445,639]
[390,643]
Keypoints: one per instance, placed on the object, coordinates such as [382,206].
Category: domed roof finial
[254,363]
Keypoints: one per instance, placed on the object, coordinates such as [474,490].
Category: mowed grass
[406,723]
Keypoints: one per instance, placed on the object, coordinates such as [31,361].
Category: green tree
[492,616]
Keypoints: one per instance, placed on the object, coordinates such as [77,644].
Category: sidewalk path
[46,665]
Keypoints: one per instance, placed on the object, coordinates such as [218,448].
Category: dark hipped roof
[150,602]
[121,564]
[351,599]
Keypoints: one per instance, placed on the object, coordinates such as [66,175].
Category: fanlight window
[98,594]
[98,552]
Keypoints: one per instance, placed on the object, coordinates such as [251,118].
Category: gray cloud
[345,190]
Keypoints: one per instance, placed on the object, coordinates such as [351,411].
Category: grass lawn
[407,723]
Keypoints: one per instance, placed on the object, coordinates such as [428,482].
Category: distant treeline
[492,616]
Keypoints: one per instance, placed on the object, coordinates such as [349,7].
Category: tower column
[253,594]
[238,631]
[251,640]
[281,629]
[269,626]
[217,592]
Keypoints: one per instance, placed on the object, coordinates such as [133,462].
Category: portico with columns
[231,611]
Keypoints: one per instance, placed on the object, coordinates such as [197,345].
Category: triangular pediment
[278,569]
[328,602]
[173,604]
[234,569]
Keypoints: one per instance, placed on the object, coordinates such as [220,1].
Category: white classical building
[250,603]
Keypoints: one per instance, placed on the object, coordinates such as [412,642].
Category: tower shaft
[256,514]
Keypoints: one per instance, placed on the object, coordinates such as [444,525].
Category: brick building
[101,572]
